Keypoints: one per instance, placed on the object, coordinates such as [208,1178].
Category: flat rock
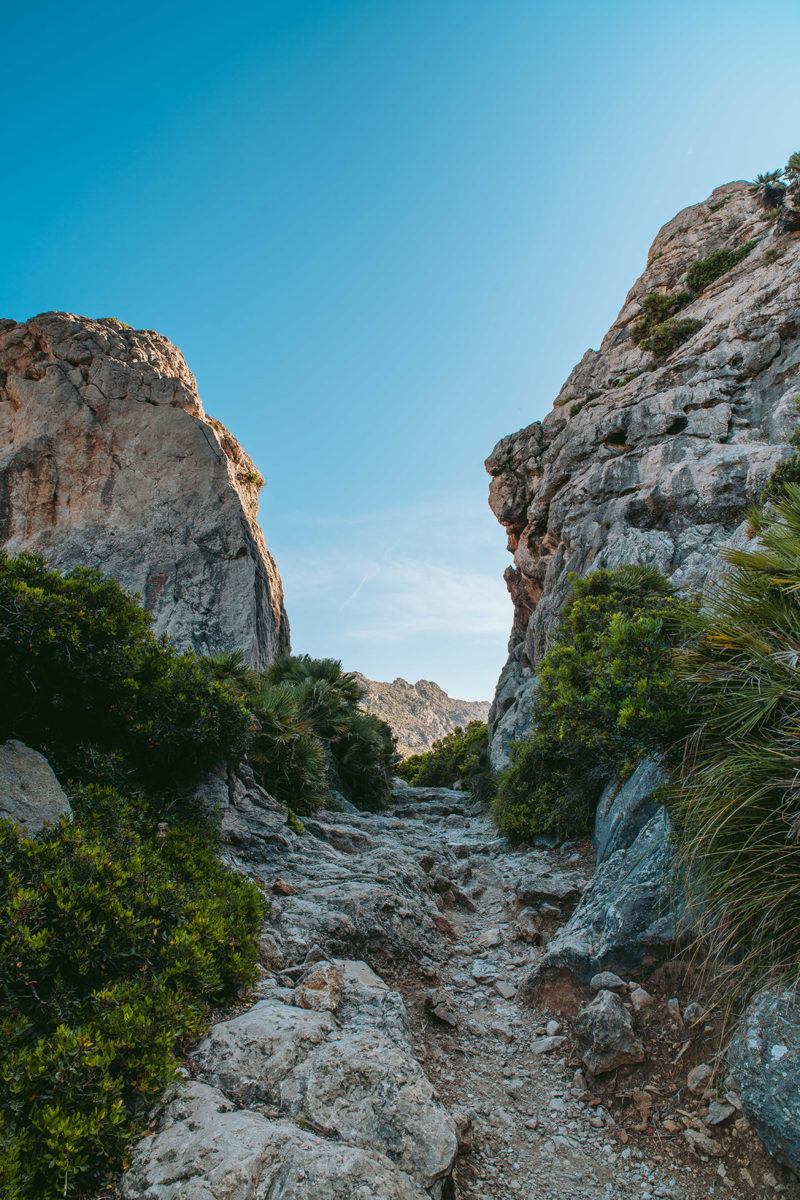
[30,794]
[354,1077]
[543,885]
[204,1148]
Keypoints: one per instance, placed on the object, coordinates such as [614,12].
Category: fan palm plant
[738,804]
[769,190]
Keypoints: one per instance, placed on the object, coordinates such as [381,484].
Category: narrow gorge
[438,1012]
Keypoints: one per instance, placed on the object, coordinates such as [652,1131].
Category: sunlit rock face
[108,460]
[644,463]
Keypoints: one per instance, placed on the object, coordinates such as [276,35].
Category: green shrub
[607,697]
[738,807]
[665,338]
[704,271]
[86,682]
[114,946]
[359,748]
[657,307]
[461,754]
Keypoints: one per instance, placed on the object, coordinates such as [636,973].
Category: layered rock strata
[108,460]
[645,462]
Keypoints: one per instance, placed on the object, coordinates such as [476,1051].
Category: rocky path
[387,1054]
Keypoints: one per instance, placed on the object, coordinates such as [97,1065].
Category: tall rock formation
[419,713]
[108,460]
[653,462]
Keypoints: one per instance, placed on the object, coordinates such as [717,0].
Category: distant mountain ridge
[419,713]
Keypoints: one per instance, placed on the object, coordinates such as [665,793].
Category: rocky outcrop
[764,1058]
[419,713]
[626,918]
[30,794]
[647,462]
[204,1148]
[108,460]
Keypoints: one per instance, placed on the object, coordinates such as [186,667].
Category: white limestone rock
[30,794]
[108,460]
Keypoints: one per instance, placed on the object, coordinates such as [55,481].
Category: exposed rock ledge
[652,465]
[108,460]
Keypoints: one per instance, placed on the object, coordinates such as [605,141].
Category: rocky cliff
[652,457]
[107,459]
[419,713]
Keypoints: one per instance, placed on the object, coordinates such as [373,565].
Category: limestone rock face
[652,464]
[108,460]
[30,794]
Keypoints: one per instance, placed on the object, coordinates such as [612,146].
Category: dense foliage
[738,807]
[657,307]
[311,737]
[607,697]
[120,930]
[704,271]
[663,339]
[462,754]
[87,682]
[114,945]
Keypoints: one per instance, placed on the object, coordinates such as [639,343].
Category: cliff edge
[651,456]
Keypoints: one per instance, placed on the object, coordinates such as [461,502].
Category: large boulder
[353,1075]
[764,1057]
[625,808]
[204,1148]
[30,794]
[108,460]
[626,918]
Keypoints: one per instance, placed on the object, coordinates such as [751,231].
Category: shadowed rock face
[652,465]
[108,460]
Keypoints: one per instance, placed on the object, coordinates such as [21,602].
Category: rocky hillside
[419,713]
[651,455]
[108,460]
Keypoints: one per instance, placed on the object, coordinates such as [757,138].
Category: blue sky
[382,233]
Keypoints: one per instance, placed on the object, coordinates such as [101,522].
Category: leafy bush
[665,338]
[113,947]
[738,806]
[114,943]
[461,754]
[704,271]
[86,682]
[657,307]
[607,697]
